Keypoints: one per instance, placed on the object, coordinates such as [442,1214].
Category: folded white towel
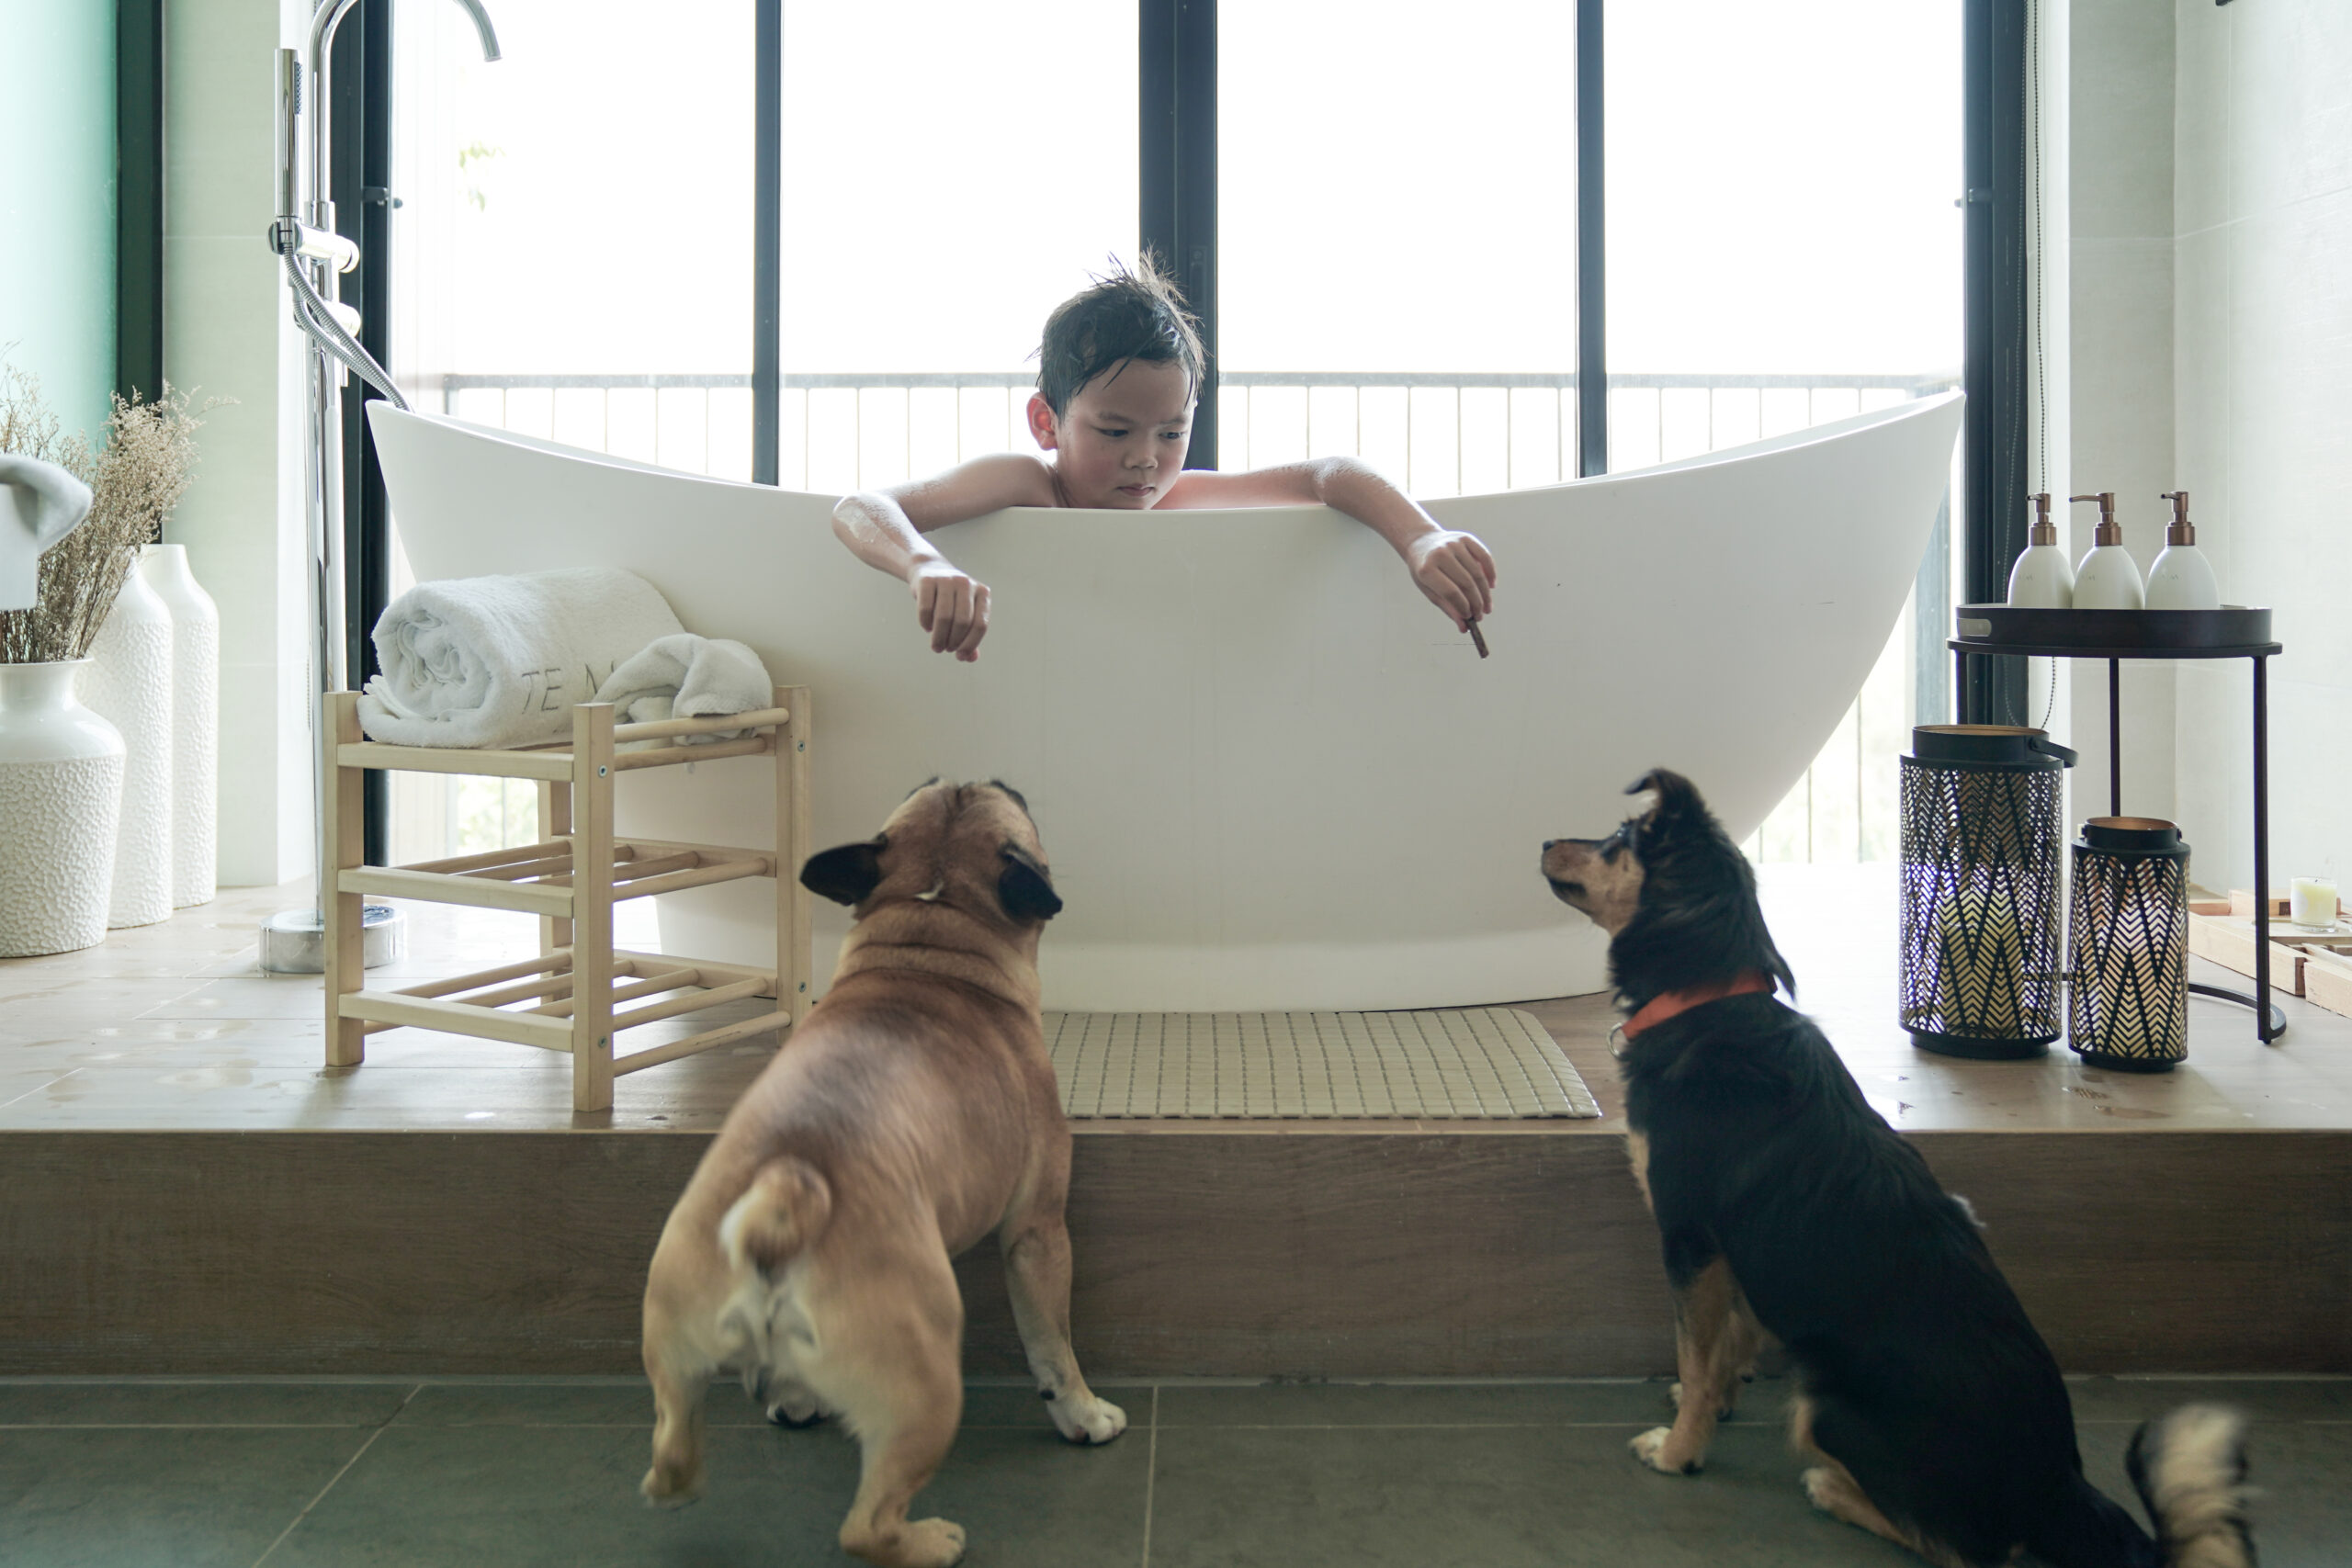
[500,660]
[686,676]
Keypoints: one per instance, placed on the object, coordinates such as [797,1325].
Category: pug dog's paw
[796,1407]
[667,1486]
[1651,1449]
[917,1543]
[1087,1419]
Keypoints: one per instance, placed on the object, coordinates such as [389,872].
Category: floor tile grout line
[1150,1473]
[183,1425]
[414,1389]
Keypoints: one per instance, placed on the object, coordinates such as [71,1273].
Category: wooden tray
[2228,940]
[2327,980]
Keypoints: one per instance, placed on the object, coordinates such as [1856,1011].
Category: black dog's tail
[2189,1468]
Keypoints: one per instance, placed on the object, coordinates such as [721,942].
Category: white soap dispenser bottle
[2182,578]
[2042,580]
[2109,578]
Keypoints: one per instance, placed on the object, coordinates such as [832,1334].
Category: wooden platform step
[1329,1250]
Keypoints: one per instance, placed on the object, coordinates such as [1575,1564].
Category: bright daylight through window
[1784,250]
[1397,243]
[1396,226]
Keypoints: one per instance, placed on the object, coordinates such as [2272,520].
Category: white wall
[2121,348]
[228,334]
[2262,396]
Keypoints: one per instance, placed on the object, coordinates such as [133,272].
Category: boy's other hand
[1456,574]
[952,607]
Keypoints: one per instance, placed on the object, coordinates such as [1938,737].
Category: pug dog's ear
[1024,888]
[848,874]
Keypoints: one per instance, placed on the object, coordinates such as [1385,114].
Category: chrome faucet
[304,231]
[303,237]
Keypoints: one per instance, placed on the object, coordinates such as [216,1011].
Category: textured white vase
[196,723]
[128,684]
[60,785]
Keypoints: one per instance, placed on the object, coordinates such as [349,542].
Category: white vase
[196,723]
[60,785]
[128,684]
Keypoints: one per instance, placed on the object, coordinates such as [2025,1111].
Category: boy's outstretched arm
[1451,569]
[885,529]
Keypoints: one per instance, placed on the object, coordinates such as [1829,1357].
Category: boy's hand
[1455,572]
[951,606]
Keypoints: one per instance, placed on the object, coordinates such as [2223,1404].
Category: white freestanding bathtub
[1268,774]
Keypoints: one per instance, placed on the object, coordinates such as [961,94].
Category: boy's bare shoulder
[977,488]
[1024,474]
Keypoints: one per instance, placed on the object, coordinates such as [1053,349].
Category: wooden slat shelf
[571,878]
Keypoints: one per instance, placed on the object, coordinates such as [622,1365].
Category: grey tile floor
[243,1473]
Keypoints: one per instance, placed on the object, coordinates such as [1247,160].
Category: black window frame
[1176,174]
[359,176]
[1998,352]
[138,158]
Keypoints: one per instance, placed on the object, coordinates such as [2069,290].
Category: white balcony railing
[1436,433]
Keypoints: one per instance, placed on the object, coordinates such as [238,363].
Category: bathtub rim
[1787,441]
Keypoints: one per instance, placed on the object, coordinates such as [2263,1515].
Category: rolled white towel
[500,660]
[686,676]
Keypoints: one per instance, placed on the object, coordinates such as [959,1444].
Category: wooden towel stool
[571,878]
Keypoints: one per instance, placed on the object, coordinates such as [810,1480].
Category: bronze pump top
[2045,532]
[2182,531]
[2110,532]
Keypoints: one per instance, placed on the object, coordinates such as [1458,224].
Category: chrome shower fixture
[315,258]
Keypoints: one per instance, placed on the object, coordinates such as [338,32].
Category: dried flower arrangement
[135,479]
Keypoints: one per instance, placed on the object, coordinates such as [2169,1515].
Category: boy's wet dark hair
[1131,314]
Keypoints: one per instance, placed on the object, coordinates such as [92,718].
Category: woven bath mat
[1457,1063]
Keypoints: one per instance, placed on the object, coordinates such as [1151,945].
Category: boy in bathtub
[1117,375]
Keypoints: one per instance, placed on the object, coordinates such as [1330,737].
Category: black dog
[1929,1409]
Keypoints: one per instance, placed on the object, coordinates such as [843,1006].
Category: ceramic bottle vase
[196,722]
[61,786]
[128,684]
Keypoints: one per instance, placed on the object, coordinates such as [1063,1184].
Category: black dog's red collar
[1659,1009]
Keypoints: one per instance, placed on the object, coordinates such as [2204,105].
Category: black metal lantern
[2127,944]
[1982,811]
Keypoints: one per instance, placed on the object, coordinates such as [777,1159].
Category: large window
[952,170]
[572,259]
[1397,239]
[573,247]
[1784,249]
[1394,195]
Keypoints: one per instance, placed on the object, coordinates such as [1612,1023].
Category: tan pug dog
[913,1112]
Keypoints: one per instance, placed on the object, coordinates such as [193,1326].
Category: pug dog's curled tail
[782,1212]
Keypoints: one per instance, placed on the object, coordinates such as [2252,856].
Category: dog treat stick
[1477,638]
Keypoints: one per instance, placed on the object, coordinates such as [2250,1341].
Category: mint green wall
[57,201]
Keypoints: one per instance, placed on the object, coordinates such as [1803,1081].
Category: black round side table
[2233,631]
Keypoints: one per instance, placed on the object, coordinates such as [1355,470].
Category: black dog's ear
[1675,793]
[1024,889]
[848,874]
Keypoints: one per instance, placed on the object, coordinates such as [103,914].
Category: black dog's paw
[1674,1395]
